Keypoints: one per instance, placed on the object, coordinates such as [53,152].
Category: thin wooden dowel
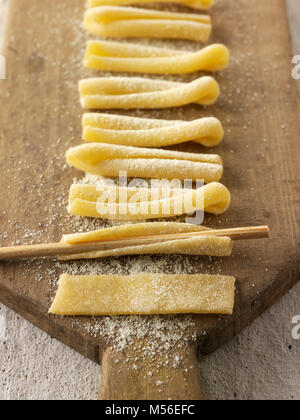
[58,249]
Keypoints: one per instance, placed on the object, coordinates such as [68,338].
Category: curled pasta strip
[144,294]
[135,92]
[109,160]
[143,132]
[195,4]
[121,57]
[128,22]
[211,246]
[122,203]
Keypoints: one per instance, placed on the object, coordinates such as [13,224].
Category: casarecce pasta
[143,132]
[109,160]
[138,92]
[195,4]
[123,57]
[202,245]
[128,22]
[122,203]
[144,294]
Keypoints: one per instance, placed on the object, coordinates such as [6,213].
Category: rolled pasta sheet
[135,92]
[144,294]
[142,132]
[207,246]
[109,160]
[210,246]
[122,203]
[130,22]
[195,4]
[131,231]
[121,57]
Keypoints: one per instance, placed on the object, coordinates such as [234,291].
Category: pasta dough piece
[120,57]
[205,245]
[211,246]
[110,160]
[128,22]
[121,203]
[142,132]
[131,231]
[134,92]
[195,4]
[144,294]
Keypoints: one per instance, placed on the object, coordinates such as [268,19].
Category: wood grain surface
[40,119]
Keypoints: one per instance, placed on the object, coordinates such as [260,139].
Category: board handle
[135,374]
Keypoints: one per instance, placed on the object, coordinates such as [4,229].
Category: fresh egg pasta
[144,132]
[130,22]
[138,92]
[109,160]
[144,294]
[202,245]
[122,203]
[123,57]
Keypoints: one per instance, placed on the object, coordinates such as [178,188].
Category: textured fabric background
[261,363]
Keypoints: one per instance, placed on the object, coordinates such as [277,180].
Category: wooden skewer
[57,249]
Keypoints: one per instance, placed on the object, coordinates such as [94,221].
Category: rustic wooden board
[40,119]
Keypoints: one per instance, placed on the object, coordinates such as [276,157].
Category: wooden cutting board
[40,118]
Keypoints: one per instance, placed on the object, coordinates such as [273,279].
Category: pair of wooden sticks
[58,249]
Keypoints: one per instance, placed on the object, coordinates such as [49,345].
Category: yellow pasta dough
[205,245]
[128,22]
[121,203]
[195,4]
[144,294]
[132,231]
[137,92]
[120,57]
[109,160]
[143,132]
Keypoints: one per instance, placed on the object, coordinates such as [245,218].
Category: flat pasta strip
[143,132]
[195,4]
[109,160]
[204,245]
[144,294]
[137,92]
[122,57]
[122,203]
[130,22]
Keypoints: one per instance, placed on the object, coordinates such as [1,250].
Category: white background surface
[261,363]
